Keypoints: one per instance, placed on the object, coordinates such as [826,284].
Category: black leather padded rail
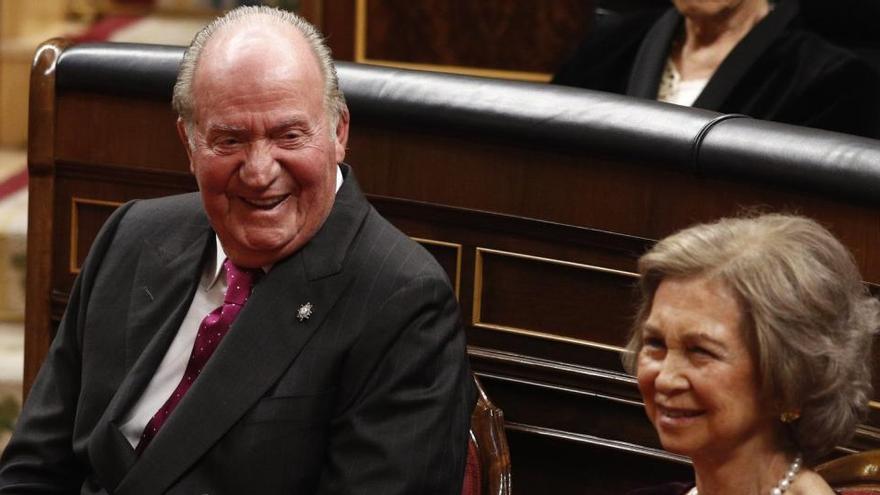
[620,127]
[119,68]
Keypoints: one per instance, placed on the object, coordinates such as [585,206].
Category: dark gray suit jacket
[371,394]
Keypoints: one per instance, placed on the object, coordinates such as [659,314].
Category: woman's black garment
[779,71]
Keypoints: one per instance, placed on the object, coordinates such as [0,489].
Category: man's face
[264,153]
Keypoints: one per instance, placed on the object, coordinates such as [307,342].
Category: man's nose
[671,376]
[260,166]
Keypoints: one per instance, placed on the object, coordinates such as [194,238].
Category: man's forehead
[257,46]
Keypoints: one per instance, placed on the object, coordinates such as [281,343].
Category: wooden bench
[537,201]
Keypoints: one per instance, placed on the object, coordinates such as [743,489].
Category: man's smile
[265,203]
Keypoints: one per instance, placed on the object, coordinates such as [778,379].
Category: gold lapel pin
[304,312]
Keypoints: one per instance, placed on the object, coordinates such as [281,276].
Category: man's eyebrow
[228,128]
[288,123]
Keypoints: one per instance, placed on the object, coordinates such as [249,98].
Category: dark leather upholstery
[703,142]
[120,68]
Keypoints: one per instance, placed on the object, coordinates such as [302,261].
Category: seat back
[855,474]
[488,464]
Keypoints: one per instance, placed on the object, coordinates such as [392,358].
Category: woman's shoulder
[810,483]
[664,489]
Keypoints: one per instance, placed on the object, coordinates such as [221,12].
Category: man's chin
[254,254]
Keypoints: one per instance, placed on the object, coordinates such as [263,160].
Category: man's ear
[184,138]
[342,134]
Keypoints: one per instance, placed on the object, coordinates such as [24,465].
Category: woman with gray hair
[751,349]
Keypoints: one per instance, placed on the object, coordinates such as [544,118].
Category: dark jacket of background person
[780,71]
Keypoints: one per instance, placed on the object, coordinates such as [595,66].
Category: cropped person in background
[751,349]
[753,57]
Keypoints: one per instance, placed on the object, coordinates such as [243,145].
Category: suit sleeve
[40,456]
[406,430]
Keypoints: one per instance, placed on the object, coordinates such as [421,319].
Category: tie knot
[239,282]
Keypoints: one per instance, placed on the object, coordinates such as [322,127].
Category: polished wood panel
[448,254]
[553,297]
[508,35]
[86,218]
[546,463]
[519,39]
[151,135]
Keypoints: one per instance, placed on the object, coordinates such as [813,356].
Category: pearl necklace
[783,485]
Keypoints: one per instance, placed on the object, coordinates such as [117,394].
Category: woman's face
[696,374]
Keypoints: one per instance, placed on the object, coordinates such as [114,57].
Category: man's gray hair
[184,100]
[809,319]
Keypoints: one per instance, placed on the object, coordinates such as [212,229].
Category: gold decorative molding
[476,317]
[458,249]
[75,202]
[360,56]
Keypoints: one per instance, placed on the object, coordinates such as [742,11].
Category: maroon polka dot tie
[239,282]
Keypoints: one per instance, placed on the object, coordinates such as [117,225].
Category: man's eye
[290,138]
[653,342]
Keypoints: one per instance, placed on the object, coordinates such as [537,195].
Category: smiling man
[269,334]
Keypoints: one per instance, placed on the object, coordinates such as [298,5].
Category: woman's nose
[671,375]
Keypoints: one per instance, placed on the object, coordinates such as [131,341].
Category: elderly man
[272,334]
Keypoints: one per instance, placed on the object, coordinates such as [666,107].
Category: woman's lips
[671,417]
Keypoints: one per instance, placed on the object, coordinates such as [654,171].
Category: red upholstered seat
[472,475]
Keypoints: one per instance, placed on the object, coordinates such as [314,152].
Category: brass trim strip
[360,56]
[360,30]
[74,226]
[477,315]
[583,438]
[548,336]
[559,388]
[460,69]
[458,250]
[526,361]
[554,261]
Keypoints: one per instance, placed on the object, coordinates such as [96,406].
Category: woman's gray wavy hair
[184,100]
[809,318]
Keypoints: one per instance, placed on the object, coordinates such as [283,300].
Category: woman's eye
[653,342]
[702,351]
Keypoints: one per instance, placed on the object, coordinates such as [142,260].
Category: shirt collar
[214,266]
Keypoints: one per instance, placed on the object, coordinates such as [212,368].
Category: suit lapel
[165,279]
[742,58]
[260,346]
[644,79]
